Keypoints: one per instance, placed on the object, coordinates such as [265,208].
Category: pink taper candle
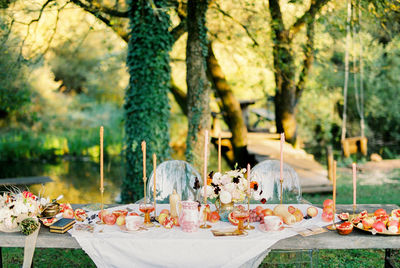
[282,142]
[354,185]
[248,176]
[334,186]
[144,158]
[101,159]
[205,165]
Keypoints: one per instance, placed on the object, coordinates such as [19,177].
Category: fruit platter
[379,222]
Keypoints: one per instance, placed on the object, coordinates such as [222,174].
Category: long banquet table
[329,240]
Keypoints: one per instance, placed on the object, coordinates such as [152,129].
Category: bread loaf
[282,211]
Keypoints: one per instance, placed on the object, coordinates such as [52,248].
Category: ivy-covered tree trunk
[198,89]
[146,100]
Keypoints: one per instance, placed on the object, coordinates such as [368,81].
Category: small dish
[264,229]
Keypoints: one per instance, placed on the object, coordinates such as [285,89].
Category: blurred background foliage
[64,75]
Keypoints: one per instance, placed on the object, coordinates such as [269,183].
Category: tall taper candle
[248,177]
[205,165]
[101,159]
[281,165]
[334,186]
[354,186]
[144,158]
[219,152]
[154,181]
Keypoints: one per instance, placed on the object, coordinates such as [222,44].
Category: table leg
[388,260]
[1,259]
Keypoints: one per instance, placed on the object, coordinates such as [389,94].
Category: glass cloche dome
[173,174]
[267,174]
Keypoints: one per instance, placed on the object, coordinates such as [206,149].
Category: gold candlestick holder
[248,226]
[205,225]
[101,205]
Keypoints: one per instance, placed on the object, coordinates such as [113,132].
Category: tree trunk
[146,98]
[232,112]
[197,84]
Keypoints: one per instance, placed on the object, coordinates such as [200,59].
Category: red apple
[259,209]
[367,223]
[102,213]
[68,214]
[380,212]
[379,226]
[298,215]
[110,219]
[165,211]
[214,216]
[384,219]
[291,209]
[328,203]
[267,212]
[312,211]
[327,216]
[120,220]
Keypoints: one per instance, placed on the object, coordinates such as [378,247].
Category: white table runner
[108,246]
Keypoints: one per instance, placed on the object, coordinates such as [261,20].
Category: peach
[162,217]
[312,211]
[291,209]
[367,223]
[267,212]
[121,220]
[214,216]
[298,215]
[258,210]
[164,211]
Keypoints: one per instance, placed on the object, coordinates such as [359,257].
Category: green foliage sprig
[146,99]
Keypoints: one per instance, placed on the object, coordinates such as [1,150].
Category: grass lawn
[367,194]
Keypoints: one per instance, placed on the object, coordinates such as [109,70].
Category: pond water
[77,180]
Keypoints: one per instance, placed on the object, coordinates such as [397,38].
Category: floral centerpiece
[18,212]
[229,188]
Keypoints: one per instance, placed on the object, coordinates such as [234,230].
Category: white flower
[230,187]
[225,197]
[225,179]
[209,191]
[20,208]
[217,178]
[5,213]
[243,170]
[10,224]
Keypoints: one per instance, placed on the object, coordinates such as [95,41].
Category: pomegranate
[80,214]
[68,214]
[232,219]
[356,220]
[363,214]
[396,213]
[344,216]
[379,226]
[214,216]
[345,228]
[380,212]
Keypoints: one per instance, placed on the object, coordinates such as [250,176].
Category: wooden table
[329,240]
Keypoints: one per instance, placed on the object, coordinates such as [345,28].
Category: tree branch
[246,29]
[96,7]
[308,16]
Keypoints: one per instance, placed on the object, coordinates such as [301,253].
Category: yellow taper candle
[334,186]
[354,186]
[219,152]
